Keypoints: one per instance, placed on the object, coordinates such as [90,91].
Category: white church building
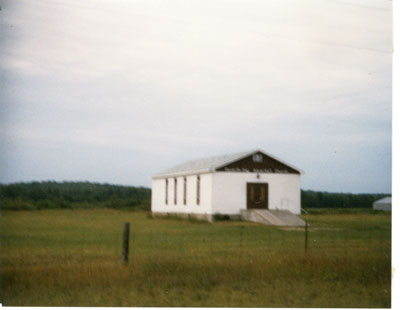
[227,185]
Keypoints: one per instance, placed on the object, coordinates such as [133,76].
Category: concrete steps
[272,217]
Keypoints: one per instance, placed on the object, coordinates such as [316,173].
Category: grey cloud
[115,91]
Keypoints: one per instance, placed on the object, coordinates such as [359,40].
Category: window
[198,190]
[175,189]
[166,191]
[184,190]
[257,158]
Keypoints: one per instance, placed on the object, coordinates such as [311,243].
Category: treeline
[312,199]
[55,195]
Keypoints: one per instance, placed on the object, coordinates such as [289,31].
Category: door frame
[266,186]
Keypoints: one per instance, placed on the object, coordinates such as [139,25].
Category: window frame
[258,158]
[166,191]
[184,191]
[175,191]
[198,190]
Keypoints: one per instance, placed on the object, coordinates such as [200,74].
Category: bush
[221,217]
[62,204]
[16,204]
[46,204]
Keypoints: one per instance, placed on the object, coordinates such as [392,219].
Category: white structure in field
[384,204]
[227,185]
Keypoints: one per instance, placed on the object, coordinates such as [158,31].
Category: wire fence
[246,239]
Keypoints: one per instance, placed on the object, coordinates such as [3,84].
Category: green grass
[343,211]
[73,258]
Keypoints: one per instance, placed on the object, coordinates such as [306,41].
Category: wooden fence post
[125,244]
[306,237]
[240,239]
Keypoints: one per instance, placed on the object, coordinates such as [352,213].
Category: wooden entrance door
[257,195]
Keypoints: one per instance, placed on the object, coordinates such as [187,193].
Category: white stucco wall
[158,195]
[229,191]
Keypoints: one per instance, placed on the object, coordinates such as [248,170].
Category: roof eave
[183,173]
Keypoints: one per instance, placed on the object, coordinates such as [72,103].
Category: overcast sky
[117,90]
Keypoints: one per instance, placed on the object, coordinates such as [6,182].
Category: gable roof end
[212,164]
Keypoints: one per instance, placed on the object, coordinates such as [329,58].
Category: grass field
[73,258]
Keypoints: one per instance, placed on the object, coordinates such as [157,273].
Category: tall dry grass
[73,258]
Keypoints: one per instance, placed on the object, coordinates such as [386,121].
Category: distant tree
[314,199]
[52,194]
